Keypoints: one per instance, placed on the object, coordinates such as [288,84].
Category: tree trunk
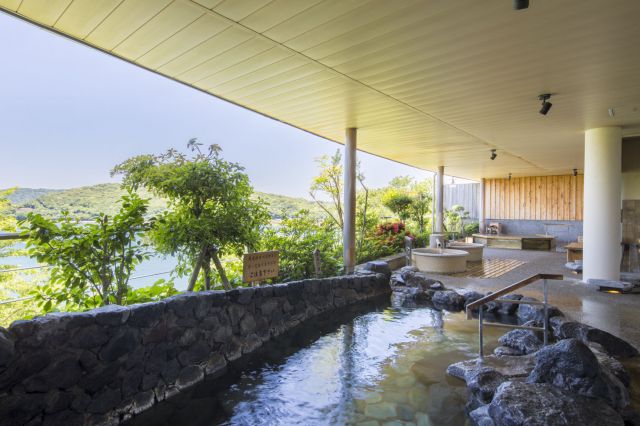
[206,266]
[220,269]
[196,270]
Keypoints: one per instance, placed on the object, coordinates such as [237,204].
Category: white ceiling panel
[427,82]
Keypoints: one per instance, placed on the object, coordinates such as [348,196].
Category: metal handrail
[495,297]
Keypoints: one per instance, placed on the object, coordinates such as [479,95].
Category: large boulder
[408,296]
[378,267]
[449,300]
[542,404]
[608,362]
[506,308]
[480,417]
[570,364]
[419,279]
[613,345]
[482,385]
[7,348]
[536,312]
[472,296]
[524,341]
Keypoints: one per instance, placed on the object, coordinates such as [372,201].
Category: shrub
[296,238]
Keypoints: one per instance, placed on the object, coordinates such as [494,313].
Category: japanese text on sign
[260,266]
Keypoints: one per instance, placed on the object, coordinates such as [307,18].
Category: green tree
[329,183]
[454,218]
[90,263]
[399,202]
[421,204]
[297,238]
[211,210]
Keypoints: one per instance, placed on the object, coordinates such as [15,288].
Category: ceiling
[426,82]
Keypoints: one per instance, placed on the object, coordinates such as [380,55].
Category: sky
[69,113]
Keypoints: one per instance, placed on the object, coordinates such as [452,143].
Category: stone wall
[106,365]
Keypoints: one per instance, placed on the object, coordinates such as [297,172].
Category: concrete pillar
[481,216]
[437,237]
[602,203]
[349,207]
[440,200]
[433,204]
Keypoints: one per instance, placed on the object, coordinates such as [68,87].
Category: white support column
[437,237]
[440,200]
[349,208]
[602,203]
[481,216]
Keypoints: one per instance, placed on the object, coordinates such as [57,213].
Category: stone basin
[442,261]
[474,250]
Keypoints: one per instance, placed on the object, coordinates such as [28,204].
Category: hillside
[24,195]
[88,201]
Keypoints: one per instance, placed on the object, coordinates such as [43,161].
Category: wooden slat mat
[490,268]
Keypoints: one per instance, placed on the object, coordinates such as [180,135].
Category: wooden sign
[260,266]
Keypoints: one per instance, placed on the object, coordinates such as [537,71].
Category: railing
[22,299]
[495,297]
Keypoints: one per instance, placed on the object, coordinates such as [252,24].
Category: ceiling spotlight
[546,105]
[509,176]
[575,172]
[493,154]
[520,4]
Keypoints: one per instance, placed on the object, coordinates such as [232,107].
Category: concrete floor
[618,314]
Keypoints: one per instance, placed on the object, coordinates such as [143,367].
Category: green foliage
[18,285]
[296,238]
[7,222]
[211,210]
[159,290]
[328,183]
[472,228]
[421,194]
[454,217]
[387,239]
[399,202]
[91,263]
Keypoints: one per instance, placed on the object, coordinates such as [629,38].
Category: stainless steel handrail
[495,297]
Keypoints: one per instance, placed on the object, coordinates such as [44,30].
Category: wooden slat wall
[535,198]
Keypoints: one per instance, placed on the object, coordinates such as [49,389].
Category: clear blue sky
[68,113]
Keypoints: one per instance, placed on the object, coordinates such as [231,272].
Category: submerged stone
[380,410]
[509,366]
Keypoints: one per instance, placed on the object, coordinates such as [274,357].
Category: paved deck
[618,314]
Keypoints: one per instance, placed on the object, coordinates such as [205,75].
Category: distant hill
[88,201]
[24,195]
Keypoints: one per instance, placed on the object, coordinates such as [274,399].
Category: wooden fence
[465,195]
[535,198]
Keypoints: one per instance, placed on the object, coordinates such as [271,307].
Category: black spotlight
[493,154]
[575,172]
[520,4]
[546,105]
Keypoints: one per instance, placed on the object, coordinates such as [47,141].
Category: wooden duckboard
[490,268]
